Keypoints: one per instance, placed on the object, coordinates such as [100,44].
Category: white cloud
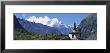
[45,20]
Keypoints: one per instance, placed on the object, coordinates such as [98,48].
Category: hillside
[88,27]
[19,35]
[25,30]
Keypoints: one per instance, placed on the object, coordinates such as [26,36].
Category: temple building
[75,35]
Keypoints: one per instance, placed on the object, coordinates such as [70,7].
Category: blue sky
[67,18]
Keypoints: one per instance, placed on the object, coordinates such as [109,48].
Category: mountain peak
[45,20]
[33,25]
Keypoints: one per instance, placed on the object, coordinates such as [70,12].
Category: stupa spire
[74,28]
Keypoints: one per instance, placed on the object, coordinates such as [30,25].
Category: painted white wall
[70,35]
[74,37]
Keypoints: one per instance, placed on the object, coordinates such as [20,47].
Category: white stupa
[74,35]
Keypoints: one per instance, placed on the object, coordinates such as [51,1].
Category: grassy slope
[20,35]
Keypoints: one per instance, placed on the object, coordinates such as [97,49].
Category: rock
[88,26]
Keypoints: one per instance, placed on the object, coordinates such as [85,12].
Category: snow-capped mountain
[44,25]
[54,22]
[45,20]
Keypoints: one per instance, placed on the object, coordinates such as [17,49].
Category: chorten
[74,35]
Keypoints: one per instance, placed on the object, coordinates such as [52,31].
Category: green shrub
[21,35]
